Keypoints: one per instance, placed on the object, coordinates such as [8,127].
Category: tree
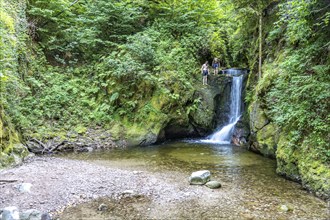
[255,8]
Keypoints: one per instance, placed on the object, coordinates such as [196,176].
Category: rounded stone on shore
[200,177]
[213,184]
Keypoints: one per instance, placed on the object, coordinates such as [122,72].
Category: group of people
[205,69]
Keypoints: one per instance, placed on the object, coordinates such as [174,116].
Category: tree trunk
[260,45]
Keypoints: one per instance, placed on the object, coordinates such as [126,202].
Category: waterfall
[224,134]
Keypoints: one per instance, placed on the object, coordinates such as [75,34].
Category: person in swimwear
[216,66]
[205,72]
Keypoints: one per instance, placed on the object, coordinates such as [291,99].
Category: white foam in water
[223,135]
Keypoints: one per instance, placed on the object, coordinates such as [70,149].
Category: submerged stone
[284,208]
[200,177]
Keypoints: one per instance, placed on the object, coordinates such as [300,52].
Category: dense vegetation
[133,65]
[293,90]
[99,62]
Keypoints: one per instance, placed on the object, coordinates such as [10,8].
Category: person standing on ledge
[216,66]
[205,72]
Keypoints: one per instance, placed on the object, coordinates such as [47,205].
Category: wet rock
[10,213]
[213,184]
[24,187]
[200,177]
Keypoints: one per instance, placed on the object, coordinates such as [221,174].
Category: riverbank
[60,185]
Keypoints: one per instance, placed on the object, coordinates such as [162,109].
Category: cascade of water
[224,134]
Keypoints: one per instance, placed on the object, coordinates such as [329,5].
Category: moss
[299,163]
[315,173]
[80,129]
[266,133]
[287,159]
[11,151]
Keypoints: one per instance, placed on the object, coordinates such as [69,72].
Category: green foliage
[300,99]
[104,62]
[294,15]
[71,33]
[295,87]
[11,53]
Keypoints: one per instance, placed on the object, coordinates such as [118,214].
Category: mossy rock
[16,156]
[299,163]
[265,135]
[287,160]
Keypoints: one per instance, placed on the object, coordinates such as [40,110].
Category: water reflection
[188,155]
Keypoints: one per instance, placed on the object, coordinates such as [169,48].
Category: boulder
[213,184]
[200,177]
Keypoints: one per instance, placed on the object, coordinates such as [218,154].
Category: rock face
[198,115]
[200,177]
[241,133]
[264,134]
[206,113]
[297,163]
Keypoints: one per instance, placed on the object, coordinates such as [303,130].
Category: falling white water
[224,134]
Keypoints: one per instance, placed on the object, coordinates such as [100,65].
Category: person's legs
[205,79]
